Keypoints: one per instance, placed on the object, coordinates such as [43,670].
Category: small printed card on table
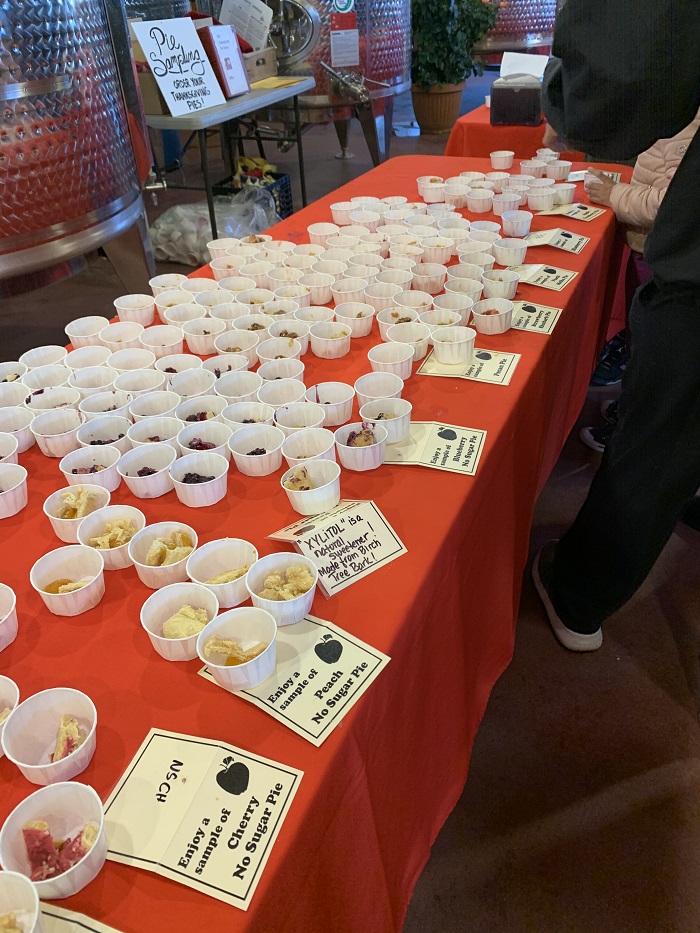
[347,543]
[59,920]
[544,276]
[560,239]
[200,812]
[533,317]
[179,64]
[321,672]
[489,366]
[440,447]
[581,174]
[576,211]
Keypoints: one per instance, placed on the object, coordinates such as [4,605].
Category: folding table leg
[297,130]
[202,136]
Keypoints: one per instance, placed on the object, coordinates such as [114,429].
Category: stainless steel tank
[521,24]
[67,170]
[156,9]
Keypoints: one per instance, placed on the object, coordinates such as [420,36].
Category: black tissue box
[516,101]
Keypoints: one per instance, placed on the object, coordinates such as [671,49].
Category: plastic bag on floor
[181,234]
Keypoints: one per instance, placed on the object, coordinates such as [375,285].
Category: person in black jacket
[622,77]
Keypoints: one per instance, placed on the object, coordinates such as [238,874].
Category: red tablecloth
[376,794]
[473,135]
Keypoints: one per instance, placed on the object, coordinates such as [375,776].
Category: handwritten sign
[179,64]
[530,316]
[490,366]
[200,812]
[544,276]
[558,238]
[576,211]
[321,673]
[440,447]
[250,18]
[60,920]
[345,544]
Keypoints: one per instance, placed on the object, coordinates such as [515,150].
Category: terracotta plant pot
[437,108]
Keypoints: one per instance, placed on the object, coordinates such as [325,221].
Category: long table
[377,792]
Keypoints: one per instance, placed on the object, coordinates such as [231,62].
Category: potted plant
[444,34]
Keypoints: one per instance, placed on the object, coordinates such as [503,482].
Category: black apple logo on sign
[233,777]
[529,309]
[329,649]
[566,234]
[482,355]
[302,531]
[549,270]
[447,434]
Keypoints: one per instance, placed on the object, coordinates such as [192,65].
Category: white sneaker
[574,641]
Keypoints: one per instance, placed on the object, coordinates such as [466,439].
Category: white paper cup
[505,202]
[558,170]
[13,370]
[309,444]
[285,329]
[236,284]
[225,267]
[336,268]
[325,494]
[308,249]
[167,282]
[355,315]
[56,431]
[415,334]
[279,309]
[86,458]
[218,247]
[158,457]
[154,404]
[104,432]
[8,632]
[438,318]
[510,251]
[281,392]
[398,426]
[206,463]
[274,348]
[392,358]
[259,271]
[93,525]
[538,184]
[255,323]
[497,323]
[29,737]
[533,167]
[415,300]
[198,284]
[163,340]
[126,361]
[538,200]
[210,432]
[201,333]
[193,410]
[314,315]
[56,374]
[225,363]
[66,807]
[164,428]
[246,625]
[218,557]
[85,331]
[479,201]
[122,336]
[18,896]
[429,277]
[319,233]
[240,386]
[294,292]
[516,223]
[177,363]
[299,416]
[341,211]
[351,288]
[192,382]
[361,459]
[16,420]
[239,342]
[454,345]
[453,301]
[379,295]
[106,403]
[72,562]
[66,529]
[156,577]
[484,236]
[330,340]
[8,448]
[335,398]
[163,604]
[92,380]
[214,297]
[564,194]
[501,284]
[239,414]
[171,298]
[43,356]
[253,437]
[13,483]
[373,385]
[140,309]
[13,394]
[319,285]
[286,612]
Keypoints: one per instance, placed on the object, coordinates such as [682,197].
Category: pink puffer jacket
[636,204]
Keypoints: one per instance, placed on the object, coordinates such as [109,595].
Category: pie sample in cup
[308,444]
[67,507]
[109,530]
[153,405]
[106,431]
[284,585]
[146,470]
[361,446]
[239,414]
[221,566]
[393,414]
[312,487]
[501,284]
[174,616]
[201,408]
[492,316]
[335,398]
[329,339]
[200,478]
[233,636]
[70,579]
[95,465]
[114,402]
[257,449]
[160,553]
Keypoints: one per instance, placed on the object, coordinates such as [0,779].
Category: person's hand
[598,186]
[552,140]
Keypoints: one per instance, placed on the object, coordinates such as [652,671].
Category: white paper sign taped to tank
[345,48]
[180,65]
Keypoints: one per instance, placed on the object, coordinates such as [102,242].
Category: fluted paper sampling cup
[163,604]
[360,459]
[223,556]
[157,457]
[75,563]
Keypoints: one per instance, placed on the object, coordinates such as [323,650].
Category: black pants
[650,468]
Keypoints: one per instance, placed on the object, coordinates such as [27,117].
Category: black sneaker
[541,576]
[608,410]
[612,362]
[597,438]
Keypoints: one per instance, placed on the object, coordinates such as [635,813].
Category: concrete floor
[580,813]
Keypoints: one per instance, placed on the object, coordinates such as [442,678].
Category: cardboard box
[262,64]
[153,100]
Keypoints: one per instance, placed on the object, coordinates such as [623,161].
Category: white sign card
[179,64]
[530,316]
[560,239]
[345,48]
[321,672]
[490,366]
[581,174]
[345,544]
[439,446]
[576,211]
[59,920]
[200,812]
[520,63]
[250,18]
[544,276]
